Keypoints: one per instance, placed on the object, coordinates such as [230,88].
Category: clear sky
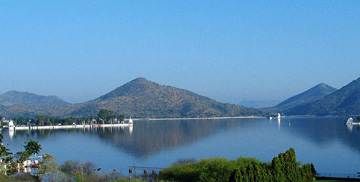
[225,50]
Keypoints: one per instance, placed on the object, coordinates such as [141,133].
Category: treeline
[282,168]
[103,117]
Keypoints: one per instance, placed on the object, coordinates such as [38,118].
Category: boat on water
[130,121]
[278,116]
[350,121]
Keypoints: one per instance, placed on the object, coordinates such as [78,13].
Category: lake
[328,143]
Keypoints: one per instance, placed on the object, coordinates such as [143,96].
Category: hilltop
[29,99]
[345,101]
[315,93]
[141,98]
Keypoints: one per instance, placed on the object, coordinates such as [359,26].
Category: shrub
[284,167]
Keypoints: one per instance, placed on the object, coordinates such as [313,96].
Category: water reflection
[326,130]
[153,136]
[146,139]
[350,127]
[11,133]
[131,129]
[150,137]
[279,123]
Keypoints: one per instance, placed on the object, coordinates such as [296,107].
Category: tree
[4,152]
[106,115]
[32,147]
[22,156]
[120,118]
[40,120]
[49,168]
[358,118]
[20,121]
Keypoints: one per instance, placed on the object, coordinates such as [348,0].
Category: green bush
[284,167]
[181,172]
[214,170]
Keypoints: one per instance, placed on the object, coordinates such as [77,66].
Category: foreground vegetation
[284,167]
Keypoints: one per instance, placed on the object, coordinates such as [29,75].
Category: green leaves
[22,156]
[32,147]
[106,116]
[284,167]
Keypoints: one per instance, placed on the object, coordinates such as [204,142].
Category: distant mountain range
[345,101]
[313,94]
[143,98]
[139,98]
[29,99]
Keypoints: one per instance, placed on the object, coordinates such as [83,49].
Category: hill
[315,93]
[29,99]
[141,98]
[345,101]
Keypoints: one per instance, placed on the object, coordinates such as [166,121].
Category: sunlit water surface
[328,143]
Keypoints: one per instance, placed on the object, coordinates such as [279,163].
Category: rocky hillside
[315,93]
[345,101]
[141,98]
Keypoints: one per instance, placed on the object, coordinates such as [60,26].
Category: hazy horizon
[228,51]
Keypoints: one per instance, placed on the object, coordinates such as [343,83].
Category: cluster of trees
[8,159]
[103,117]
[49,169]
[282,168]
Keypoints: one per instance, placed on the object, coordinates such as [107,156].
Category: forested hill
[315,93]
[345,101]
[29,99]
[141,98]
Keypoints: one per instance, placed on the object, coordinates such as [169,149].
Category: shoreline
[174,119]
[235,117]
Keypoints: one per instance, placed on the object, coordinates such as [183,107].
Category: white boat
[130,121]
[279,116]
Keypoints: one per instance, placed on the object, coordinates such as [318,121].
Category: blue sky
[225,50]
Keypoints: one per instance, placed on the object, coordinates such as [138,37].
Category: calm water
[328,143]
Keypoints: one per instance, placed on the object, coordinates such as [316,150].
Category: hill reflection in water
[145,137]
[323,131]
[326,142]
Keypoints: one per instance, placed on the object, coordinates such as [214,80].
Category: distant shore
[163,119]
[237,117]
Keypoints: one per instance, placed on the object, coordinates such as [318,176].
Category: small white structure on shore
[278,116]
[11,125]
[130,121]
[350,121]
